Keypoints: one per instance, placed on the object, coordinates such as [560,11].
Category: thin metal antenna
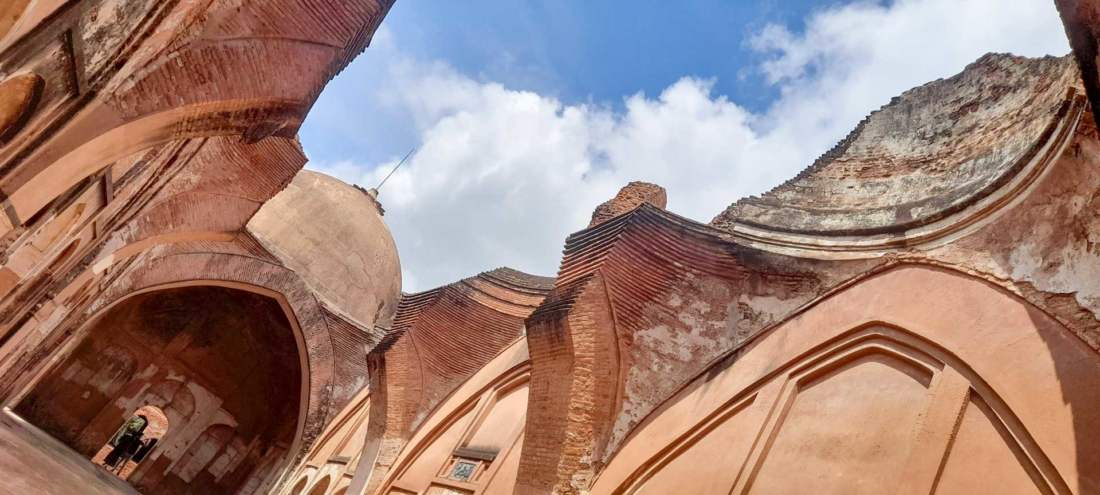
[399,164]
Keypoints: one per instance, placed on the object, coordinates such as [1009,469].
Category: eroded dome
[332,234]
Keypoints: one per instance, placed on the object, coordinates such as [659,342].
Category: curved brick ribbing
[440,338]
[215,188]
[186,69]
[518,281]
[350,343]
[643,304]
[244,47]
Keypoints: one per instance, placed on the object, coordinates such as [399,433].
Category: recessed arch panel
[321,486]
[859,416]
[472,442]
[300,487]
[917,380]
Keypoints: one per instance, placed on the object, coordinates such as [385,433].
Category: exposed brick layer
[643,304]
[628,198]
[931,151]
[439,339]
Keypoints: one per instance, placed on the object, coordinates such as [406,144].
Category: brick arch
[167,267]
[215,259]
[277,314]
[311,340]
[303,311]
[440,340]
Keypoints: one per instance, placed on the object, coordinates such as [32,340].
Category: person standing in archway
[127,443]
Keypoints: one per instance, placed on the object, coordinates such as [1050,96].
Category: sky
[526,114]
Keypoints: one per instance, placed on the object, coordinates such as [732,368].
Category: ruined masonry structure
[917,312]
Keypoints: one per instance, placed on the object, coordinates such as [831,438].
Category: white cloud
[502,176]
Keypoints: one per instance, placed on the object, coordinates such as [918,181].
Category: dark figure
[146,447]
[126,442]
[131,448]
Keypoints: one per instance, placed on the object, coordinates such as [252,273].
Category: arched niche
[321,486]
[175,269]
[915,380]
[299,488]
[225,362]
[472,442]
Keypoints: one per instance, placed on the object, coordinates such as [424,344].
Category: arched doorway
[134,440]
[220,364]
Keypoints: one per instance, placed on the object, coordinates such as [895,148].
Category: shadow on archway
[182,390]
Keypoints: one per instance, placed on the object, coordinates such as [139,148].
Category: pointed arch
[965,371]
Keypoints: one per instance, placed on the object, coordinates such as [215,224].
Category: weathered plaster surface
[333,235]
[928,152]
[1046,248]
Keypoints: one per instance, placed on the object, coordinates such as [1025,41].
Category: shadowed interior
[223,365]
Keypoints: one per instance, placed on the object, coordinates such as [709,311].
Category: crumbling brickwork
[628,198]
[439,339]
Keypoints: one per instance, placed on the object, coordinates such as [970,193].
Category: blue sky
[600,50]
[576,51]
[527,114]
